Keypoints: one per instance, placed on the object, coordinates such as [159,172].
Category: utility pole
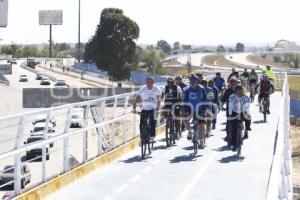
[50,41]
[79,12]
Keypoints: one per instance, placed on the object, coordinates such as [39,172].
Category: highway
[171,173]
[195,58]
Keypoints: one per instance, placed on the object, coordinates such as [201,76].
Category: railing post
[100,132]
[44,148]
[113,132]
[85,134]
[66,163]
[123,121]
[18,162]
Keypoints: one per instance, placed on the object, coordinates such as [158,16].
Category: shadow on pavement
[223,148]
[134,159]
[160,147]
[184,158]
[189,148]
[232,158]
[258,122]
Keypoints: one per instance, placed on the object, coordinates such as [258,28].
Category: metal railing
[280,181]
[3,80]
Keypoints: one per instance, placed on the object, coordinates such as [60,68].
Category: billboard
[50,17]
[3,12]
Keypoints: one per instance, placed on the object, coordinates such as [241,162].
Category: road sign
[3,12]
[50,17]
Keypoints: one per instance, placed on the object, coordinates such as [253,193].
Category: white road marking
[192,183]
[146,169]
[121,188]
[134,179]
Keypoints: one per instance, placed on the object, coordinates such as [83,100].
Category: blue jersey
[219,82]
[197,97]
[216,93]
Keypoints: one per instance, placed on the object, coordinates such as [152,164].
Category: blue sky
[188,21]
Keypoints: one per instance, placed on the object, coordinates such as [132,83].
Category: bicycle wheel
[265,111]
[168,133]
[239,142]
[143,148]
[150,147]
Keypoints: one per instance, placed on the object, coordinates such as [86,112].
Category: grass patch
[294,82]
[260,60]
[217,59]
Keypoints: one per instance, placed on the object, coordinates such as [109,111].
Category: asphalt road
[172,173]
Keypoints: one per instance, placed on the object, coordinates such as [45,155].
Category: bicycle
[239,138]
[196,138]
[170,132]
[264,107]
[145,139]
[252,91]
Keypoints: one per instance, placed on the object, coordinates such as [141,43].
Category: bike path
[172,173]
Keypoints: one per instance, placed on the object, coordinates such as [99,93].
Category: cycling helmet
[233,69]
[268,66]
[252,70]
[203,82]
[193,78]
[150,78]
[238,88]
[218,74]
[170,80]
[178,77]
[264,75]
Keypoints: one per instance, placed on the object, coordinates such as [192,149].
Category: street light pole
[79,12]
[50,48]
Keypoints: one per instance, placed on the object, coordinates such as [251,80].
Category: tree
[240,47]
[231,50]
[186,47]
[164,46]
[277,58]
[296,61]
[176,46]
[113,46]
[221,49]
[152,60]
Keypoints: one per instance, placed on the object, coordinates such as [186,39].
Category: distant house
[285,46]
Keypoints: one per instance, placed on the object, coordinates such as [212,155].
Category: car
[43,118]
[61,84]
[76,120]
[8,195]
[23,78]
[45,81]
[38,151]
[8,175]
[40,126]
[39,76]
[13,61]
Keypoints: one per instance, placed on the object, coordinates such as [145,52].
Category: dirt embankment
[295,133]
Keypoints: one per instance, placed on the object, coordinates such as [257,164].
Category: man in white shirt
[149,96]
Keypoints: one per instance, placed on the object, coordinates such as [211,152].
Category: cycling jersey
[270,73]
[253,77]
[172,94]
[245,74]
[150,97]
[195,97]
[219,82]
[265,86]
[182,85]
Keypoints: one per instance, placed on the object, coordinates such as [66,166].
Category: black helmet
[150,78]
[170,80]
[199,74]
[238,88]
[178,77]
[203,82]
[193,78]
[218,74]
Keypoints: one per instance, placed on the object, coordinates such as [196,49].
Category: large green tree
[113,46]
[164,46]
[240,47]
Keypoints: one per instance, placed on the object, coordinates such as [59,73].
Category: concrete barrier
[59,182]
[298,122]
[293,120]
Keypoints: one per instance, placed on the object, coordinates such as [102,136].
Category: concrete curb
[44,190]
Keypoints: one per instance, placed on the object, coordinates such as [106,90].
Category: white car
[23,78]
[60,84]
[40,127]
[45,81]
[76,118]
[43,118]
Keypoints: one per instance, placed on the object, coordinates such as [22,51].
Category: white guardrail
[28,159]
[280,181]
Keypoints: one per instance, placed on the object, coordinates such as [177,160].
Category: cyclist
[219,81]
[244,78]
[265,88]
[172,95]
[269,72]
[238,103]
[234,73]
[178,81]
[252,81]
[216,102]
[149,96]
[209,108]
[225,99]
[194,97]
[200,76]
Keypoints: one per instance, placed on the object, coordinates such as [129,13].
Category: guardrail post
[18,162]
[100,132]
[44,149]
[85,134]
[66,141]
[123,121]
[113,124]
